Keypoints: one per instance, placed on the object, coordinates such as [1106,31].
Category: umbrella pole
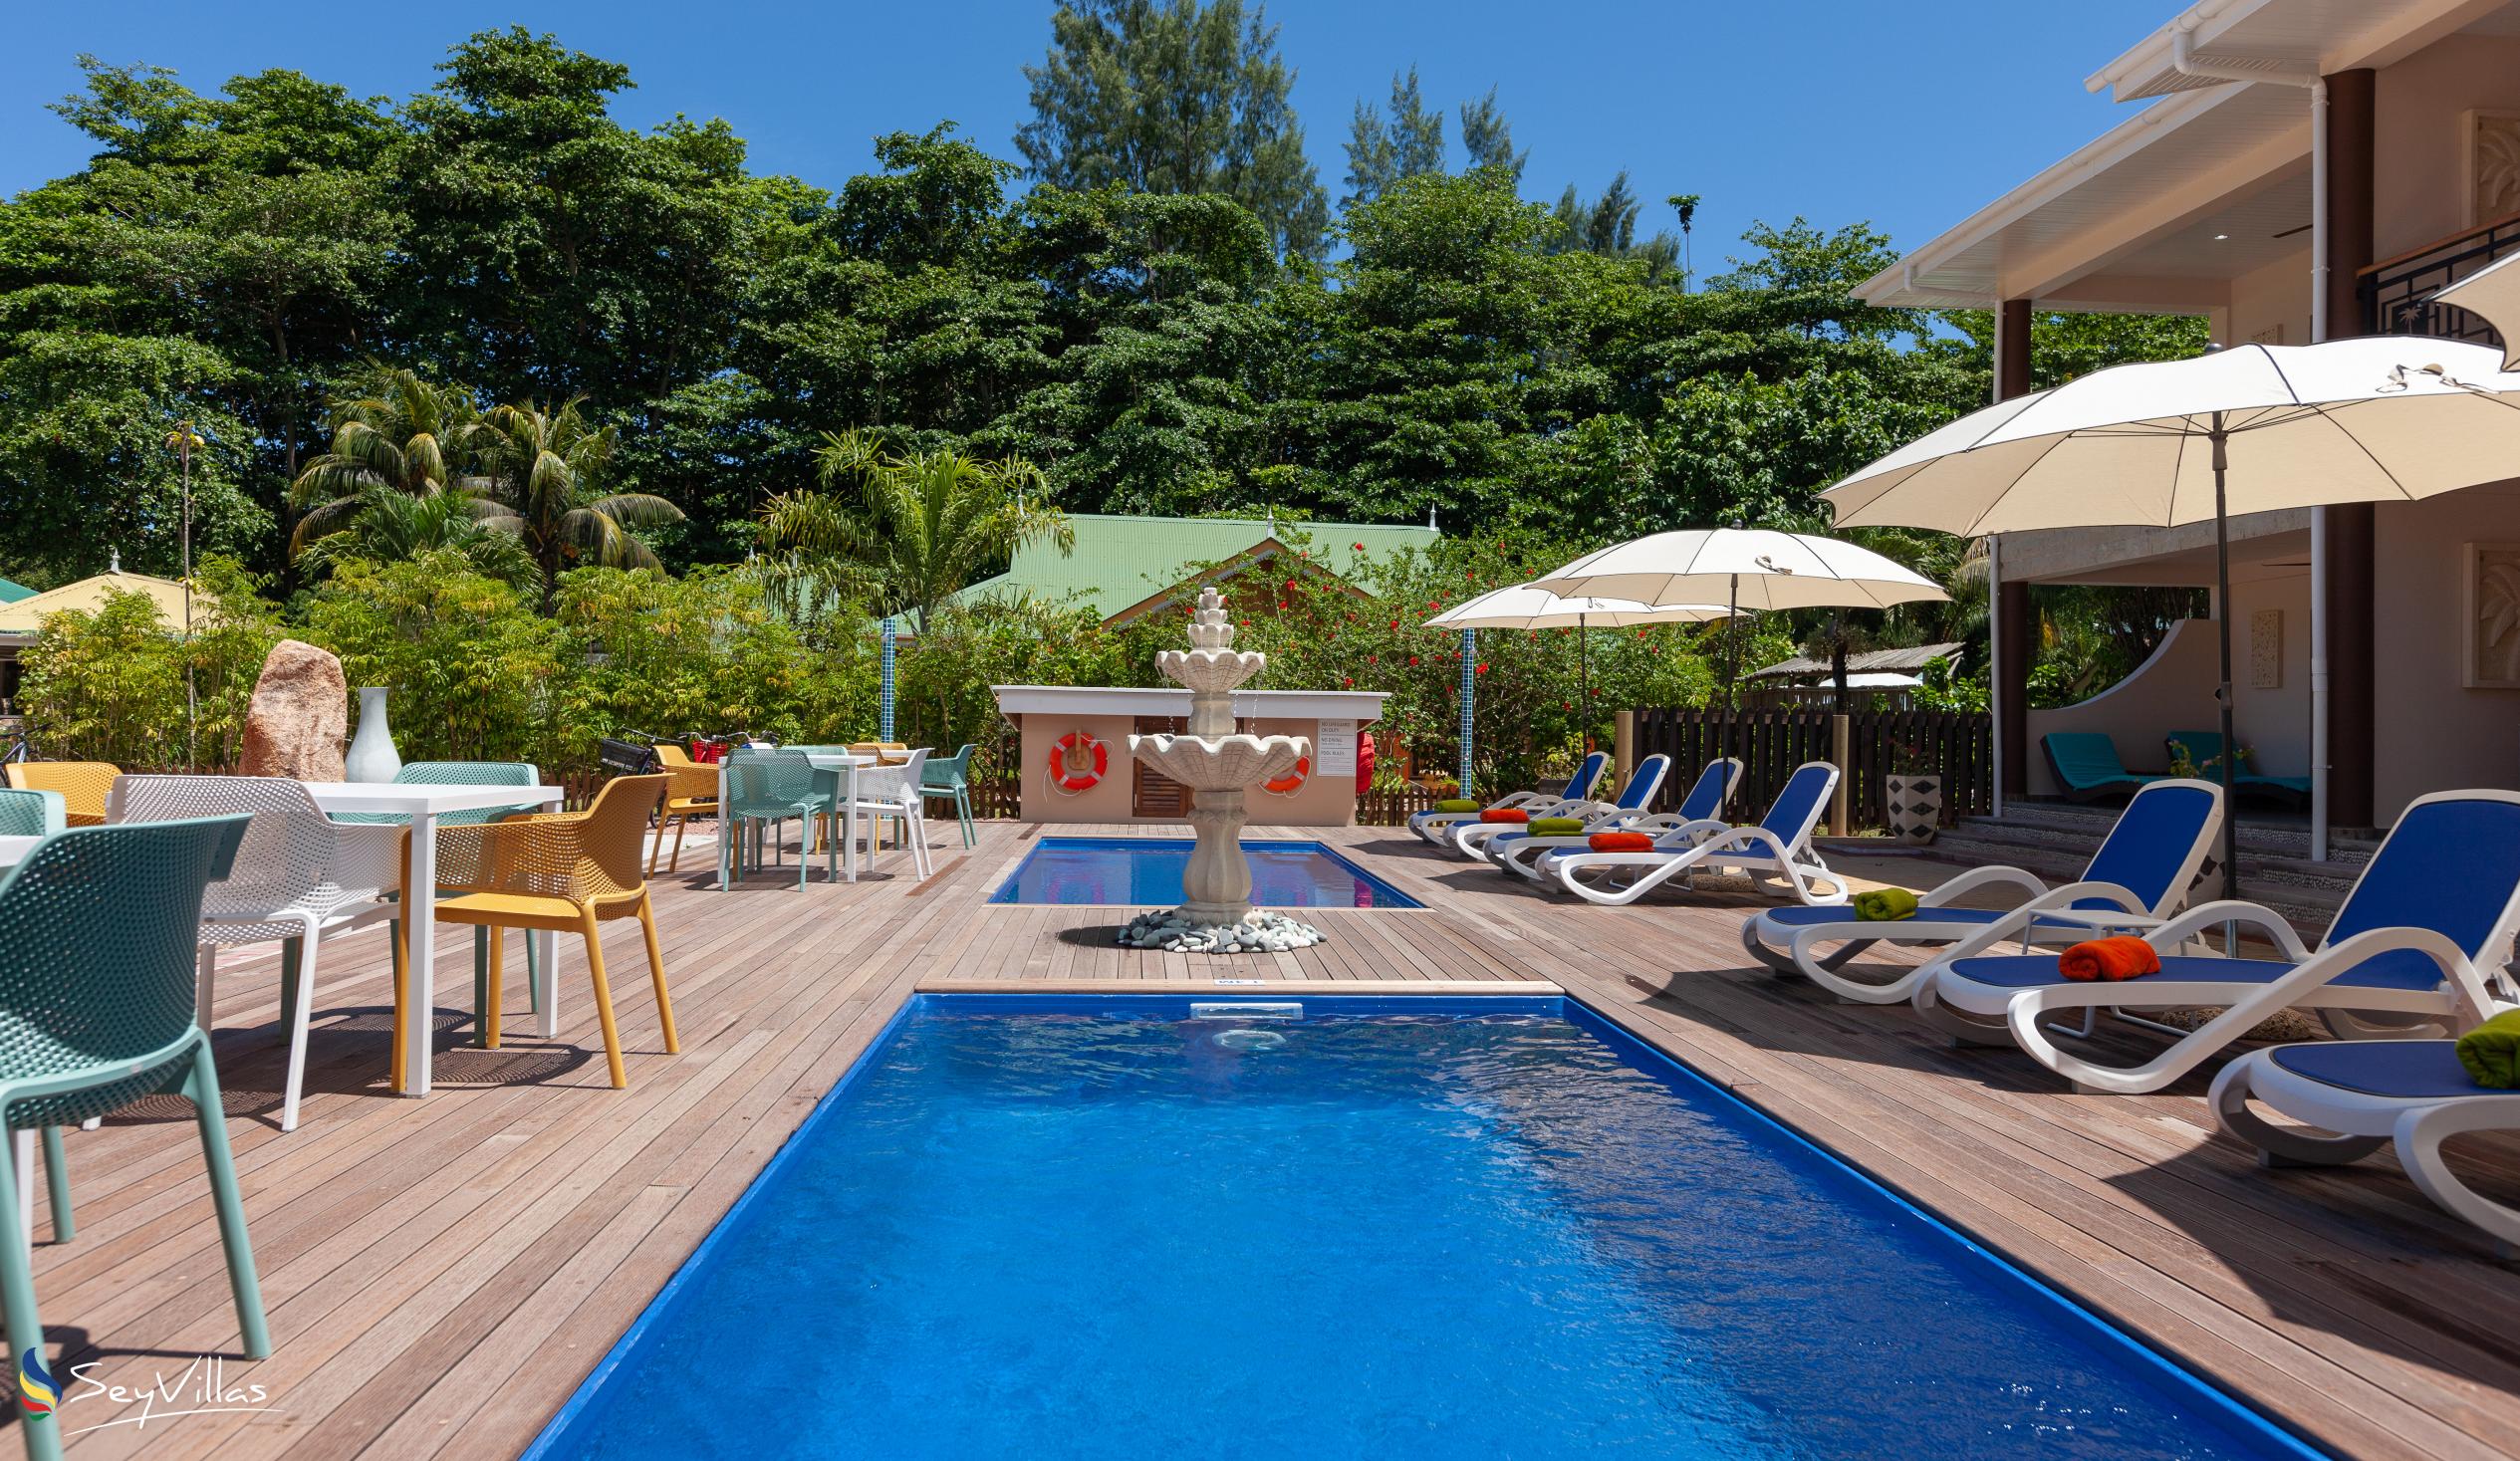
[1582,691]
[2222,692]
[1732,675]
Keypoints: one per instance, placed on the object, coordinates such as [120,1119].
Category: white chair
[894,791]
[298,875]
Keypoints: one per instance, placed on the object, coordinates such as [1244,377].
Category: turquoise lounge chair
[2087,766]
[2204,748]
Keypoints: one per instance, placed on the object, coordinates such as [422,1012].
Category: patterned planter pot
[1916,807]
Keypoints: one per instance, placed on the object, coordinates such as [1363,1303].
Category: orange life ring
[1063,776]
[1293,780]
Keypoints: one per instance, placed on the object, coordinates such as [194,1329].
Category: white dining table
[846,762]
[423,804]
[13,850]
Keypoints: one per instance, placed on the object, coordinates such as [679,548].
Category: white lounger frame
[2045,906]
[1979,1013]
[2361,1124]
[1523,855]
[1437,826]
[1714,844]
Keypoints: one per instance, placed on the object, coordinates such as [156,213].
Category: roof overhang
[2208,183]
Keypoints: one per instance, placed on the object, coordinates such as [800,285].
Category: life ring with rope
[1066,758]
[1289,784]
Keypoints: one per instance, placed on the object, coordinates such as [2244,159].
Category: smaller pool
[1145,873]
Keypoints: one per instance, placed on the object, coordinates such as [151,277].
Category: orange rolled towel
[1514,815]
[2122,957]
[1621,842]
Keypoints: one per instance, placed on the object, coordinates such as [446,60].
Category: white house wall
[2421,187]
[2430,732]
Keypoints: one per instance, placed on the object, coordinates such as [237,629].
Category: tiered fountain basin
[1058,720]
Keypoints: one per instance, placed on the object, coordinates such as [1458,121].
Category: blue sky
[1909,116]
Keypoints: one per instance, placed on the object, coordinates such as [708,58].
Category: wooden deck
[441,1272]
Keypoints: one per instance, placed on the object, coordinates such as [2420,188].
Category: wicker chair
[84,784]
[97,930]
[563,872]
[299,876]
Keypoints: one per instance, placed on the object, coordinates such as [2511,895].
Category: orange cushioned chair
[565,872]
[83,785]
[692,793]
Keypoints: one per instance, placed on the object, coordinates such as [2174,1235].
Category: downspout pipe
[2187,62]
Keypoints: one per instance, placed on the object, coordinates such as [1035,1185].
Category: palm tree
[393,528]
[922,527]
[539,469]
[401,437]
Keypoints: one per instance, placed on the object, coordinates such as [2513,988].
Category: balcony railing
[2397,293]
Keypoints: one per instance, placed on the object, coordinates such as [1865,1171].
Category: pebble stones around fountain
[1262,933]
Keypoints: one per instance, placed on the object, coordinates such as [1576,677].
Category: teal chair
[97,933]
[448,773]
[2204,748]
[764,789]
[951,778]
[32,813]
[2087,766]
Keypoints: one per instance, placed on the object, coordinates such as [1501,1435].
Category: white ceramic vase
[372,756]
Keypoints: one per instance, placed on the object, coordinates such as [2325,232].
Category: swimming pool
[1070,1227]
[1145,873]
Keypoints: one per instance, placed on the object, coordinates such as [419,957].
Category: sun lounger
[2204,748]
[2087,766]
[2139,877]
[2369,1092]
[1471,840]
[1776,850]
[1520,852]
[2438,904]
[1435,826]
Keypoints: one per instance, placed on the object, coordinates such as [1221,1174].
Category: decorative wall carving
[2266,649]
[2490,654]
[2493,165]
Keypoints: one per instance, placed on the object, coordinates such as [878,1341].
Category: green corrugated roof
[1123,561]
[11,593]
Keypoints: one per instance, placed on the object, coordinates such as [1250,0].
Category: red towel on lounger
[1505,814]
[1621,842]
[2122,957]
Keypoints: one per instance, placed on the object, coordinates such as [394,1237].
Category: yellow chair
[692,793]
[886,752]
[563,872]
[83,785]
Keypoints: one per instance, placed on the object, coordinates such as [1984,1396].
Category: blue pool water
[1127,871]
[1052,1228]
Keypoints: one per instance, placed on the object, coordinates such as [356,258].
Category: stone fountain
[1219,767]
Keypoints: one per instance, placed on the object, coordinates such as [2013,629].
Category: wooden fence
[1957,745]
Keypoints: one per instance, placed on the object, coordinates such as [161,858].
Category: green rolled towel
[2491,1050]
[1556,826]
[1457,803]
[1884,905]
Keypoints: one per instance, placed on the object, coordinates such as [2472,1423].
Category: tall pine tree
[1381,152]
[1174,97]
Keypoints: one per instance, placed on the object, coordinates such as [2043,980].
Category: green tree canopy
[1174,97]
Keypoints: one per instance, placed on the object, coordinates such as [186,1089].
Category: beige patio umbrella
[2493,294]
[2252,429]
[1748,569]
[1529,606]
